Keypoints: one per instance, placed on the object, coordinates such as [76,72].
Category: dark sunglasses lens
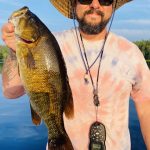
[85,2]
[105,2]
[102,2]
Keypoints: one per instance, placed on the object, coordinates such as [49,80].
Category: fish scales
[43,73]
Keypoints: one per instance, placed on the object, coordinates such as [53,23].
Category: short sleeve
[141,88]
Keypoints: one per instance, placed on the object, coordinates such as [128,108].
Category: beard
[90,28]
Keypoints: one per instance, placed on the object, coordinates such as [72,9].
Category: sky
[131,20]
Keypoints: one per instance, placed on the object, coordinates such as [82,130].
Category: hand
[8,35]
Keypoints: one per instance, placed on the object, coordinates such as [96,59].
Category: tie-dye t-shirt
[123,73]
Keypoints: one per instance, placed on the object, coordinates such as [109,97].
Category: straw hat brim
[65,6]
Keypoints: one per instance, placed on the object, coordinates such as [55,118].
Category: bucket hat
[65,6]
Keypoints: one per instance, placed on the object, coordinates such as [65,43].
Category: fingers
[7,30]
[8,35]
[8,27]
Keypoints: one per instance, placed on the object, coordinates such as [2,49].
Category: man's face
[93,17]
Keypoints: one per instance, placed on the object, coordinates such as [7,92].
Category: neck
[94,37]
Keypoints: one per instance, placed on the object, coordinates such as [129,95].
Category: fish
[43,73]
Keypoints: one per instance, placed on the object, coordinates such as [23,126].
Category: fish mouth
[24,40]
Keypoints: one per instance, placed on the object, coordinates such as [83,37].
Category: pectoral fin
[35,117]
[30,62]
[68,105]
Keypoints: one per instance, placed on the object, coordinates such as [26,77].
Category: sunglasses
[102,2]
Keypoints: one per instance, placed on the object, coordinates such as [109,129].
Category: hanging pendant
[86,78]
[97,136]
[96,98]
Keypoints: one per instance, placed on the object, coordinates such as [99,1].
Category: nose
[95,4]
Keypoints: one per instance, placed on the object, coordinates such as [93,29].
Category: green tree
[3,52]
[144,46]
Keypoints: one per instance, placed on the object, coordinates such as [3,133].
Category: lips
[93,15]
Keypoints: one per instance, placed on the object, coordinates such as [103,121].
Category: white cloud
[135,21]
[133,34]
[128,31]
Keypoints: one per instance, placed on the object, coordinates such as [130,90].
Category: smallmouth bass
[44,76]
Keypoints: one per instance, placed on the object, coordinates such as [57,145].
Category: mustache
[91,11]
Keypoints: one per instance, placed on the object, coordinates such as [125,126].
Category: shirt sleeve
[141,87]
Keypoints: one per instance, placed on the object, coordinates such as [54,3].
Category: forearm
[11,83]
[145,128]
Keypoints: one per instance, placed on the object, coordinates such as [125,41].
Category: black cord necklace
[88,71]
[100,54]
[97,133]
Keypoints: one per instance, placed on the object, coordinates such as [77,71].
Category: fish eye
[21,13]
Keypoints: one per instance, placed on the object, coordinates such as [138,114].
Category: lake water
[18,133]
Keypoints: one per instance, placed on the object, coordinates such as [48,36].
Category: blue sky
[131,21]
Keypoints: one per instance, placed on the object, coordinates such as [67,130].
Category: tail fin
[63,143]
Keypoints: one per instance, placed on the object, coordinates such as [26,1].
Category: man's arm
[141,93]
[143,111]
[11,83]
[12,86]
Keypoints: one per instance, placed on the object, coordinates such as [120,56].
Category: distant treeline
[143,45]
[3,52]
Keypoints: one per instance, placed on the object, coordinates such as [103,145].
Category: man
[104,70]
